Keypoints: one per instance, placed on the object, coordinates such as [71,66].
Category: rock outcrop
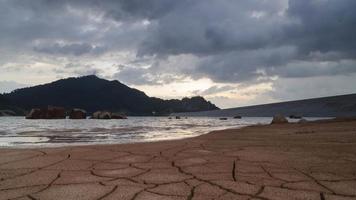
[295,117]
[78,114]
[51,112]
[55,113]
[35,113]
[101,115]
[279,119]
[118,116]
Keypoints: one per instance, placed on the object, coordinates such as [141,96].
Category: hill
[6,108]
[92,93]
[334,106]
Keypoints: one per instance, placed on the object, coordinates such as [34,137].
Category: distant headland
[92,94]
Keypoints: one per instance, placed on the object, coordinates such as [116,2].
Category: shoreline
[113,144]
[67,134]
[315,160]
[318,121]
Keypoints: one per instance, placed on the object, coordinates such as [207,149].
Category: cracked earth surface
[293,161]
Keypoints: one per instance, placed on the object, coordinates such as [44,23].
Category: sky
[232,52]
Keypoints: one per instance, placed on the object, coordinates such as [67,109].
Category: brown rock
[78,114]
[50,112]
[35,113]
[101,115]
[279,119]
[118,116]
[53,112]
[295,116]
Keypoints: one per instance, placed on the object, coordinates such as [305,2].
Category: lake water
[19,132]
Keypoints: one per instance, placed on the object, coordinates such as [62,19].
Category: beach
[315,160]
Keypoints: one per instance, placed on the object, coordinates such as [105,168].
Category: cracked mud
[258,162]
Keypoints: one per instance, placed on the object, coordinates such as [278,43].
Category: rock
[35,113]
[50,112]
[279,119]
[177,117]
[105,115]
[53,112]
[295,117]
[78,114]
[237,117]
[96,115]
[118,116]
[101,115]
[223,118]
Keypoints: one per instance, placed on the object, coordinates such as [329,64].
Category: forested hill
[92,93]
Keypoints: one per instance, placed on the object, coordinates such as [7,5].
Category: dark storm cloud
[68,49]
[234,40]
[324,26]
[210,27]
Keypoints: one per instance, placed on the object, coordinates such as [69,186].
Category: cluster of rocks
[226,118]
[52,112]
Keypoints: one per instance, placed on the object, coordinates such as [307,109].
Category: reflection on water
[19,132]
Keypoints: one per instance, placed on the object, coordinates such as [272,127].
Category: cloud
[8,86]
[214,90]
[302,88]
[165,41]
[323,26]
[76,49]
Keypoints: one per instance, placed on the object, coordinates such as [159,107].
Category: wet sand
[292,161]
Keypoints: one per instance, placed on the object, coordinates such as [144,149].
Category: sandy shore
[293,161]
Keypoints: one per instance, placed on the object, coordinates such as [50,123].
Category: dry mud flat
[292,161]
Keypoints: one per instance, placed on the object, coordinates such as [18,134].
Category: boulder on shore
[51,112]
[279,119]
[35,113]
[118,116]
[77,114]
[237,117]
[55,113]
[295,117]
[101,115]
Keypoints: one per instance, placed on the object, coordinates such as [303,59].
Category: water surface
[19,132]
